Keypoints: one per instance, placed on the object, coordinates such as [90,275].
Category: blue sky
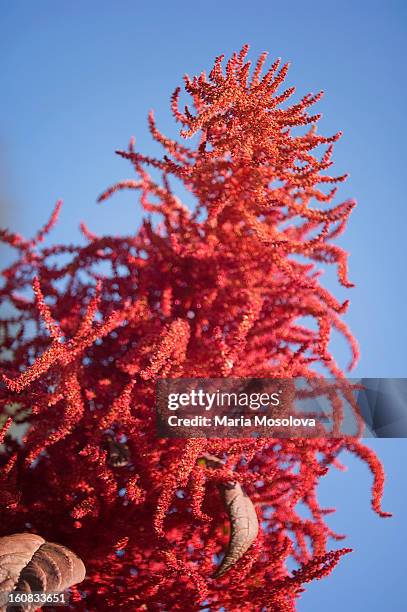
[77,80]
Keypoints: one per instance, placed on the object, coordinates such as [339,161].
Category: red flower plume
[216,291]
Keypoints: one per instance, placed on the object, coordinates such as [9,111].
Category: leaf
[29,563]
[118,452]
[244,525]
[211,461]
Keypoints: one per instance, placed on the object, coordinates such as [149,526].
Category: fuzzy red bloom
[221,290]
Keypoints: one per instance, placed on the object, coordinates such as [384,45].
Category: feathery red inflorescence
[217,291]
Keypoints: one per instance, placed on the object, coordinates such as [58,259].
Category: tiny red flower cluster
[221,290]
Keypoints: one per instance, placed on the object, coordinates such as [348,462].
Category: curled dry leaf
[244,525]
[212,461]
[29,563]
[118,452]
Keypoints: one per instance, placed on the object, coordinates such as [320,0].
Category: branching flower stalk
[217,291]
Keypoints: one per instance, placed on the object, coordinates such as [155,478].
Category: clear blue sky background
[77,80]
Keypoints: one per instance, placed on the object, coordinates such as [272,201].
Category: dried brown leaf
[118,452]
[29,563]
[244,525]
[212,461]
